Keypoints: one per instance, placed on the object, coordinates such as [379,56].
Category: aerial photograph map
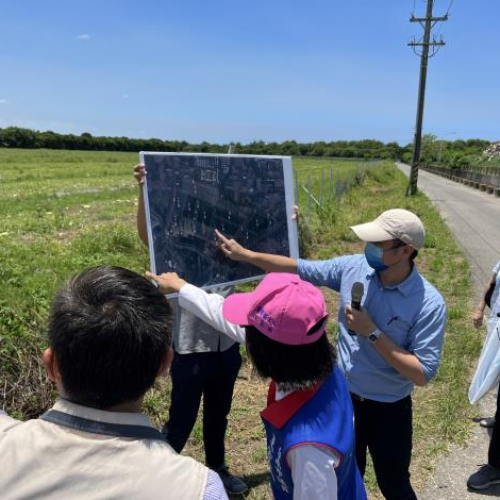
[189,196]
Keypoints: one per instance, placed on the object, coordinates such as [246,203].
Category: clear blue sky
[222,71]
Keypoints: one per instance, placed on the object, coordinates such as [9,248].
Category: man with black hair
[109,339]
[391,344]
[308,419]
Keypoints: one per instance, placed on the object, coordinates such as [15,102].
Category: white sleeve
[313,473]
[208,307]
[496,269]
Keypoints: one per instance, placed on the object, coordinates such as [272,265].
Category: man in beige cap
[391,343]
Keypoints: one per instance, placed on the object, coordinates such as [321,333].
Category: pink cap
[283,307]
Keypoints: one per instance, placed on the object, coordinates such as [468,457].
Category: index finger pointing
[221,236]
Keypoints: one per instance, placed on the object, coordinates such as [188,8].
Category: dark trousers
[385,429]
[211,374]
[494,448]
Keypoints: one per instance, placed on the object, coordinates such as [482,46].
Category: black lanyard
[105,428]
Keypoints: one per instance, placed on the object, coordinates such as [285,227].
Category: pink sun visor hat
[282,307]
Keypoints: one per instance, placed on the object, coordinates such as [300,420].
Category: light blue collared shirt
[412,314]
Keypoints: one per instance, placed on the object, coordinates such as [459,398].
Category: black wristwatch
[374,336]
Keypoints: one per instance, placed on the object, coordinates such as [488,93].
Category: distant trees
[433,149]
[15,137]
[459,153]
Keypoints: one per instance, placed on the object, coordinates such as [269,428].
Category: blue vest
[320,416]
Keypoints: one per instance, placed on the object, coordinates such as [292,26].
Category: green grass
[63,211]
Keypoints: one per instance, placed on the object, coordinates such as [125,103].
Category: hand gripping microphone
[357,292]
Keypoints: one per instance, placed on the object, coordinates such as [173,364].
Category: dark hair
[110,329]
[401,243]
[294,367]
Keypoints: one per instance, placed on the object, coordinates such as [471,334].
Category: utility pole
[424,58]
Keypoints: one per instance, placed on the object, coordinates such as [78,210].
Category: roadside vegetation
[63,211]
[468,154]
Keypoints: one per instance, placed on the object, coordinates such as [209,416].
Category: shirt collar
[112,417]
[278,413]
[405,287]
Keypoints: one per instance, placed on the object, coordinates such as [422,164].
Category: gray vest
[191,334]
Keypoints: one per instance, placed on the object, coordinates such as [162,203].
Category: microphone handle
[355,305]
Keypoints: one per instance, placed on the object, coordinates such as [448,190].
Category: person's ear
[166,362]
[51,367]
[408,250]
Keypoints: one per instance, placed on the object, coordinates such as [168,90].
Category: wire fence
[320,188]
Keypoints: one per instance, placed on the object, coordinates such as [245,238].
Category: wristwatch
[374,336]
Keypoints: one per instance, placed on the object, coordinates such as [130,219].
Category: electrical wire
[449,7]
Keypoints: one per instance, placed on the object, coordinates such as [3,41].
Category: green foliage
[457,154]
[15,137]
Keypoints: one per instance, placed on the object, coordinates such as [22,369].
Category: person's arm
[142,228]
[313,473]
[478,315]
[405,362]
[266,261]
[206,306]
[214,489]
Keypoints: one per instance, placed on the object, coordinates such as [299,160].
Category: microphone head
[357,291]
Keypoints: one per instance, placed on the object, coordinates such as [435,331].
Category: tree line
[433,150]
[16,137]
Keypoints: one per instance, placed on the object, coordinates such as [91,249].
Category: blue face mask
[374,256]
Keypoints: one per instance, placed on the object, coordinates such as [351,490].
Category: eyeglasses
[399,244]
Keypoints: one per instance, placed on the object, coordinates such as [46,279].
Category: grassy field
[63,211]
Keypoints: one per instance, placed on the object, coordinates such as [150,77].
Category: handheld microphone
[357,292]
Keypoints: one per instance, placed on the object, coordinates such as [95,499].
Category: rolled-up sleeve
[323,272]
[427,338]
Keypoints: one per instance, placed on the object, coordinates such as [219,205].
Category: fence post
[297,190]
[330,190]
[321,192]
[309,196]
[338,194]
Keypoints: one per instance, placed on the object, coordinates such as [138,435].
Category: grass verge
[55,226]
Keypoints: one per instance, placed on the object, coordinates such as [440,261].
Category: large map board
[188,196]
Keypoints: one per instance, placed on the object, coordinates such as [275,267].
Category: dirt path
[474,219]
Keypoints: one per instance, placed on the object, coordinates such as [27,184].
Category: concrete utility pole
[424,58]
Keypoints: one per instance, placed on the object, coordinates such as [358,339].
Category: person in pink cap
[309,416]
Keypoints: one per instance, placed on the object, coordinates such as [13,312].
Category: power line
[428,22]
[449,7]
[440,29]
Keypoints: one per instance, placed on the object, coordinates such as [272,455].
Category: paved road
[474,219]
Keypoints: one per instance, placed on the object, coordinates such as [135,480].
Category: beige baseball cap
[393,224]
